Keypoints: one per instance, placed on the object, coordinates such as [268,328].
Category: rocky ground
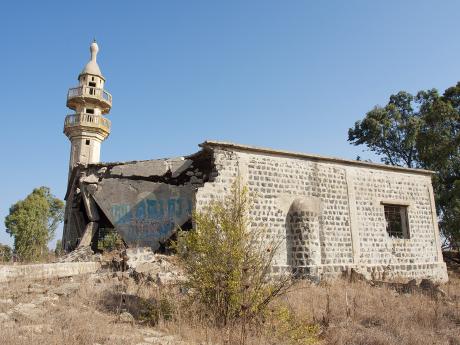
[138,304]
[87,309]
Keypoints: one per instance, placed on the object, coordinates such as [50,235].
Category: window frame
[405,233]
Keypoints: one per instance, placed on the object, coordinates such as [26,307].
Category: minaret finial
[94,48]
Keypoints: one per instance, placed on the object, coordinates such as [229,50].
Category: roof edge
[314,157]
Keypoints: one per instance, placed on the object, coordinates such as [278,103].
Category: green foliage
[6,253]
[421,131]
[111,241]
[152,311]
[33,222]
[228,265]
[58,251]
[439,149]
[391,131]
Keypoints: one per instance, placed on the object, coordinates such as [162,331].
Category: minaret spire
[87,127]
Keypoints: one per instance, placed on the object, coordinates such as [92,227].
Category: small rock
[43,299]
[126,317]
[26,310]
[152,333]
[66,289]
[150,339]
[38,329]
[36,288]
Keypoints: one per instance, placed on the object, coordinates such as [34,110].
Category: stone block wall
[329,213]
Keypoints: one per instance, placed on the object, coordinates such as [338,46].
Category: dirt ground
[111,308]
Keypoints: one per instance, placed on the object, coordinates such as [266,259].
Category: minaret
[87,127]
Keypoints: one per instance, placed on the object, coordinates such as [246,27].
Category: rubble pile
[82,254]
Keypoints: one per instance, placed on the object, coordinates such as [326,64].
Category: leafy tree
[33,222]
[390,131]
[6,253]
[439,149]
[228,265]
[421,131]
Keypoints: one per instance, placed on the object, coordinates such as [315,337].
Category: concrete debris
[160,269]
[90,205]
[79,255]
[90,230]
[90,179]
[46,271]
[167,278]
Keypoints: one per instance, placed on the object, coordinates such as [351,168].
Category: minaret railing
[88,120]
[89,91]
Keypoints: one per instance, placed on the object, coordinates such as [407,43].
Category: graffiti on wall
[152,219]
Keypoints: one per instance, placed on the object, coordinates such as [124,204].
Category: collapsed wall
[144,201]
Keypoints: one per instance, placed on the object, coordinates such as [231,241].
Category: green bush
[152,311]
[228,265]
[58,251]
[111,241]
[6,253]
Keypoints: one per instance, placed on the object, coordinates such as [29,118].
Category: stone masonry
[328,212]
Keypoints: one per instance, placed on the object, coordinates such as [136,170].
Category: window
[92,84]
[87,141]
[396,219]
[92,78]
[89,111]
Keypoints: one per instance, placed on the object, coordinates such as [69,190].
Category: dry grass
[344,312]
[356,313]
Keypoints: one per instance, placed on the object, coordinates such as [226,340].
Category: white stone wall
[46,271]
[341,208]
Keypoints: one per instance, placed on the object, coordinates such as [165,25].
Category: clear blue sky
[292,75]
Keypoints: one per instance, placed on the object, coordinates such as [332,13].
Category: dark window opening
[92,84]
[89,111]
[397,220]
[92,78]
[87,141]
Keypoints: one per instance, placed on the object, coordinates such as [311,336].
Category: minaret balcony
[88,122]
[89,95]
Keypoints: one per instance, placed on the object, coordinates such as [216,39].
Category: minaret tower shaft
[87,127]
